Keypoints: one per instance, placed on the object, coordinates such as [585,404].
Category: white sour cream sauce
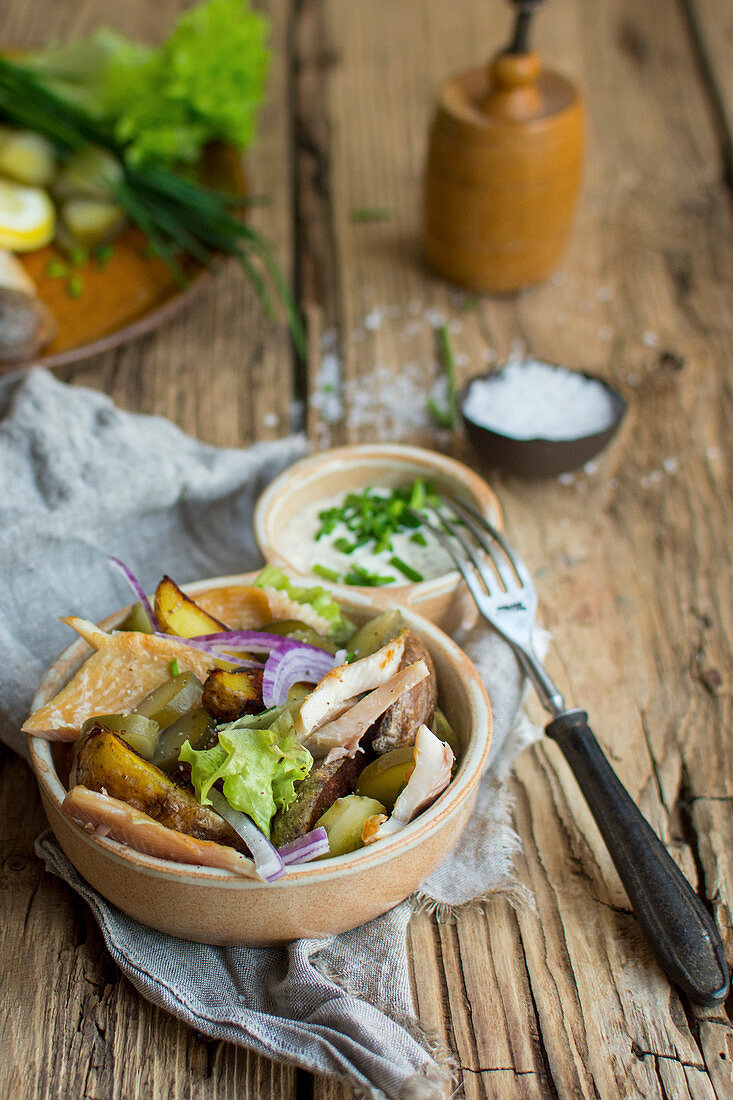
[298,544]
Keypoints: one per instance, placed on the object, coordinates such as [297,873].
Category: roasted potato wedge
[178,614]
[399,725]
[104,762]
[315,794]
[229,695]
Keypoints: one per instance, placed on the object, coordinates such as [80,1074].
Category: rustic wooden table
[633,556]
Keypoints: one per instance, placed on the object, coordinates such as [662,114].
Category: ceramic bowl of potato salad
[257,758]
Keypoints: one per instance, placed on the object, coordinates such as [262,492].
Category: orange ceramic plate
[132,295]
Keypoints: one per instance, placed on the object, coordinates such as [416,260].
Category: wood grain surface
[632,556]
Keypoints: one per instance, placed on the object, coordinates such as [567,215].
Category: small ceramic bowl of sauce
[537,420]
[288,519]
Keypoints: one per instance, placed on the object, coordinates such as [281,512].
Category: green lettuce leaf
[318,598]
[203,84]
[259,768]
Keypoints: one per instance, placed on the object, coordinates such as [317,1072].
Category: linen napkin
[80,480]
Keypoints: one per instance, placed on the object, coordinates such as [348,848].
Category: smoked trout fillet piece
[247,607]
[114,680]
[116,819]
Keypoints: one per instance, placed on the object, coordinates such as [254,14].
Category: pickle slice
[444,732]
[172,699]
[300,632]
[344,822]
[196,727]
[140,732]
[136,619]
[376,633]
[386,776]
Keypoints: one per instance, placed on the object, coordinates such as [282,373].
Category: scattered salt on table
[534,400]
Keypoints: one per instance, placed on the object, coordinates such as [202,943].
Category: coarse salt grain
[328,339]
[534,400]
[373,320]
[434,317]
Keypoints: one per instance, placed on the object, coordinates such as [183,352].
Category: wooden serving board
[133,294]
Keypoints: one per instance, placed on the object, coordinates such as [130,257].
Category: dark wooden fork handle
[676,924]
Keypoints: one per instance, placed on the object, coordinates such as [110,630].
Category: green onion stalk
[175,214]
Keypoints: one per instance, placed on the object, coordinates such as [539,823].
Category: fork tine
[483,523]
[472,579]
[469,550]
[502,565]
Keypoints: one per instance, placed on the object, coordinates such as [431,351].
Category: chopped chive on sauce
[363,578]
[405,569]
[327,574]
[375,522]
[175,670]
[372,518]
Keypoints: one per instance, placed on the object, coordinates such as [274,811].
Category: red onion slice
[266,857]
[137,588]
[256,640]
[285,667]
[305,848]
[213,650]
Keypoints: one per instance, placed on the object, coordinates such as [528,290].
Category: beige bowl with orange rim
[317,899]
[345,469]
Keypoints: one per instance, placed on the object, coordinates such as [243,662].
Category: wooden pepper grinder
[503,171]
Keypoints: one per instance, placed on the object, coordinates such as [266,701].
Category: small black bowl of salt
[536,419]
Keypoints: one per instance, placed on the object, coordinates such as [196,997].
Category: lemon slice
[27,217]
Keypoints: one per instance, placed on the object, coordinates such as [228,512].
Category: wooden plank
[72,1026]
[711,24]
[642,288]
[631,558]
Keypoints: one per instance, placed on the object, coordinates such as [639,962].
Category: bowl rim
[618,401]
[483,496]
[460,788]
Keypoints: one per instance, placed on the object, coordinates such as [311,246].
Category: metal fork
[676,924]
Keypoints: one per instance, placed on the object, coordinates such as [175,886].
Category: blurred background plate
[133,294]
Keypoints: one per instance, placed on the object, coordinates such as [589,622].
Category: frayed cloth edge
[441,1071]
